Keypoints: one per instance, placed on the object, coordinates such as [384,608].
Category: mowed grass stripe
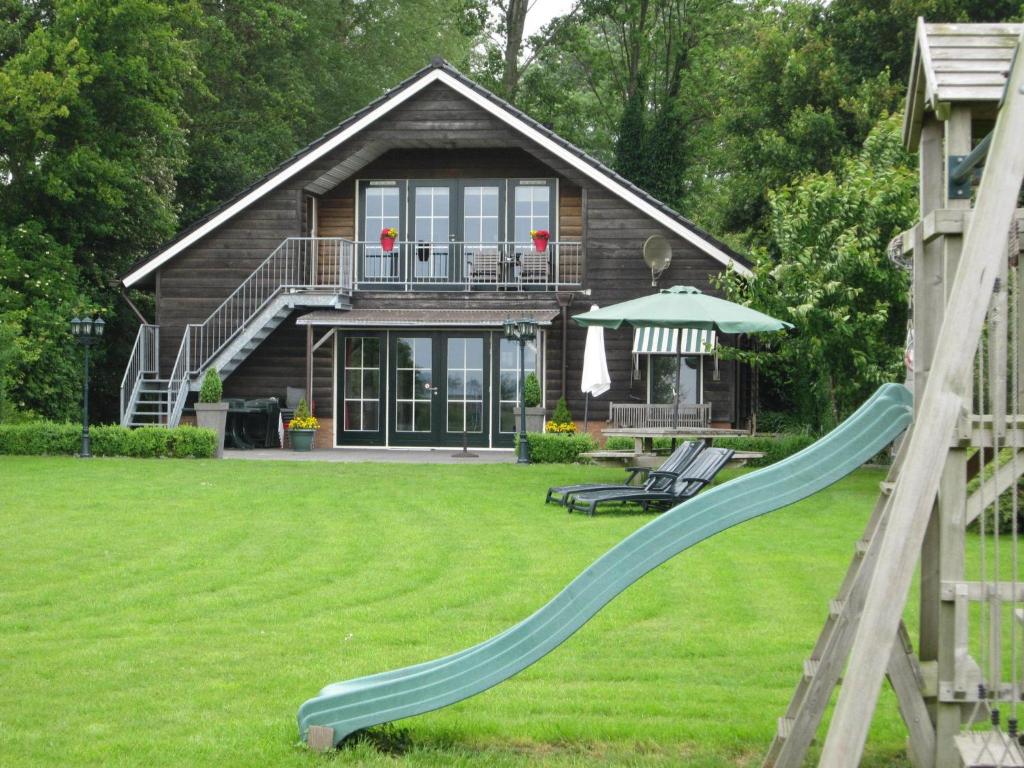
[167,613]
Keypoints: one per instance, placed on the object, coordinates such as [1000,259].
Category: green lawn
[158,612]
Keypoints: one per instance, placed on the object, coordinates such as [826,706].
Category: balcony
[460,265]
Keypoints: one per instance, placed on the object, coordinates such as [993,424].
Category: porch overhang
[425,318]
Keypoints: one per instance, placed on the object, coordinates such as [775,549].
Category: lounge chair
[687,485]
[660,479]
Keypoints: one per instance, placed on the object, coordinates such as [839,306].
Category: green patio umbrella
[682,306]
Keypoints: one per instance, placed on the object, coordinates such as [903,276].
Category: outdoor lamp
[521,331]
[87,331]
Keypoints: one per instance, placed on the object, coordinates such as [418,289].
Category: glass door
[381,203]
[439,386]
[531,210]
[466,391]
[360,389]
[432,232]
[484,260]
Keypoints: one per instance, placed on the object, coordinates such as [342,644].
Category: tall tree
[91,139]
[826,271]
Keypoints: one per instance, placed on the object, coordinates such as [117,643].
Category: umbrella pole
[586,414]
[679,360]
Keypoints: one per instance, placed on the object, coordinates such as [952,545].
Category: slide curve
[356,704]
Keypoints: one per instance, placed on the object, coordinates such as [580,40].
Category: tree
[827,272]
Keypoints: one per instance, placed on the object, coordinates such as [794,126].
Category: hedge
[774,448]
[557,448]
[46,438]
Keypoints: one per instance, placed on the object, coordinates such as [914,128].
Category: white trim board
[399,97]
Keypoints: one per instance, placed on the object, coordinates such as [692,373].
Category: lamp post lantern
[87,331]
[521,331]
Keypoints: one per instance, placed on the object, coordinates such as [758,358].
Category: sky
[540,12]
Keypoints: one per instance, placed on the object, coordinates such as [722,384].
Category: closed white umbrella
[595,380]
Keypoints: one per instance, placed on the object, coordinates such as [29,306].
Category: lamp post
[521,331]
[87,331]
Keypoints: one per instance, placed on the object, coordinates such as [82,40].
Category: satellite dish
[657,256]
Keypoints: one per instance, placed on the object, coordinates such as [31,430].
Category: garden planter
[387,243]
[302,439]
[540,244]
[213,416]
[535,419]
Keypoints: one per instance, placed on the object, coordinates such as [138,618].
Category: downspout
[564,300]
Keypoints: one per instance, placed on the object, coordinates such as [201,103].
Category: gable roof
[442,72]
[956,63]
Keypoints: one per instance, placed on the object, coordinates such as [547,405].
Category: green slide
[355,704]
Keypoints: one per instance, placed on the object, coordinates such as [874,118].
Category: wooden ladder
[823,670]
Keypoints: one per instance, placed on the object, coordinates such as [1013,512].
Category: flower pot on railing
[387,239]
[540,239]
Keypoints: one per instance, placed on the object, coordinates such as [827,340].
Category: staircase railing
[143,360]
[297,264]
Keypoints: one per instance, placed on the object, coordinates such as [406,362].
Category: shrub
[618,443]
[557,449]
[44,438]
[188,442]
[561,414]
[110,440]
[774,448]
[212,388]
[531,390]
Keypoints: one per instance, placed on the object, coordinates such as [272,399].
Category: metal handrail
[178,381]
[298,263]
[470,264]
[142,360]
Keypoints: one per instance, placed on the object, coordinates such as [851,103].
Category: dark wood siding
[436,134]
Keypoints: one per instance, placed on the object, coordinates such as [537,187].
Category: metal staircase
[301,272]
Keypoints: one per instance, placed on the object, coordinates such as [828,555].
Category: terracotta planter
[302,439]
[213,416]
[541,244]
[387,243]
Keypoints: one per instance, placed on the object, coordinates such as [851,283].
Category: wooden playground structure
[960,688]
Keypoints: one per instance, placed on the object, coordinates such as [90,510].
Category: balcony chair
[534,267]
[701,472]
[483,264]
[658,480]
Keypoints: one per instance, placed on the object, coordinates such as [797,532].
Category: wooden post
[309,367]
[939,410]
[953,485]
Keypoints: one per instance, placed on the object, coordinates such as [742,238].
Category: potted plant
[387,239]
[211,413]
[302,428]
[531,398]
[540,239]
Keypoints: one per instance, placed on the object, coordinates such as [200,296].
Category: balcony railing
[468,266]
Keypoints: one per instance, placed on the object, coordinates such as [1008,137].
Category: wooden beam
[918,484]
[994,487]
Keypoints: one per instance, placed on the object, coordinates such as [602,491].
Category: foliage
[827,273]
[774,448]
[562,415]
[303,419]
[42,438]
[531,390]
[212,387]
[557,448]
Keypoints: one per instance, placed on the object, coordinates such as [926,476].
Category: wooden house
[288,284]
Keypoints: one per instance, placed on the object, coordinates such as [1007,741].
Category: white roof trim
[438,75]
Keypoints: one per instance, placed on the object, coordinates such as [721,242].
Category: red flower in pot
[540,239]
[387,239]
